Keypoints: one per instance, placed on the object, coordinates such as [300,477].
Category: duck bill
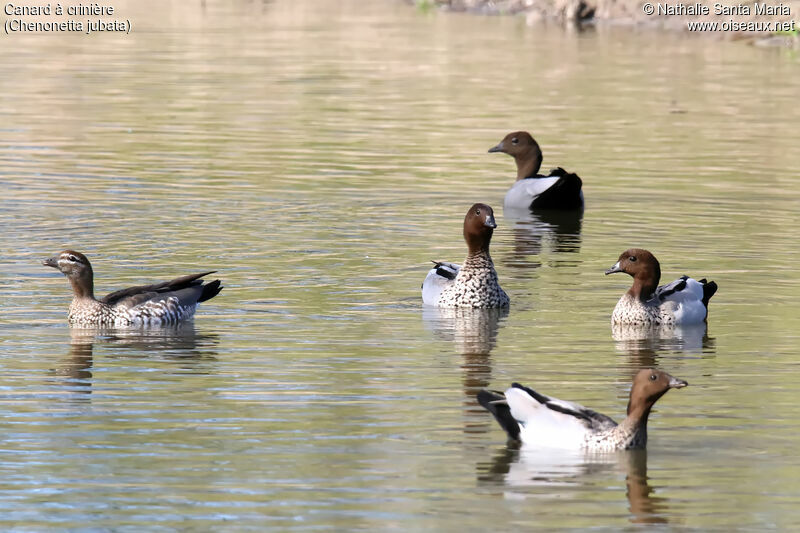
[675,383]
[489,222]
[51,262]
[498,148]
[614,269]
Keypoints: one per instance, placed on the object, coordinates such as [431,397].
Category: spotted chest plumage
[476,286]
[633,312]
[620,437]
[151,313]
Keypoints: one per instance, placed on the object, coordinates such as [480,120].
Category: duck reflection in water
[525,471]
[473,333]
[542,230]
[180,344]
[643,344]
[75,369]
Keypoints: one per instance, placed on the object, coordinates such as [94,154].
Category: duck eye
[477,212]
[72,258]
[632,259]
[653,377]
[514,140]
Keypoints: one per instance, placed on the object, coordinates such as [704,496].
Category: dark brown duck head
[479,225]
[644,268]
[525,151]
[78,270]
[648,386]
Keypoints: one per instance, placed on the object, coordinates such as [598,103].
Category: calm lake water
[318,154]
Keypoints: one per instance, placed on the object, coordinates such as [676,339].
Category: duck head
[644,268]
[648,386]
[524,149]
[78,270]
[479,225]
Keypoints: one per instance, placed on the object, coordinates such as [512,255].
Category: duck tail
[563,194]
[495,403]
[709,288]
[210,290]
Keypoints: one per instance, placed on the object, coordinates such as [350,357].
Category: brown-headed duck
[473,284]
[557,190]
[533,419]
[684,301]
[159,304]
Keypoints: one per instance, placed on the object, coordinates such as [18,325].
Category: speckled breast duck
[473,284]
[160,304]
[536,420]
[682,302]
[558,190]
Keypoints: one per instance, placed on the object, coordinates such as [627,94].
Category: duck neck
[638,414]
[478,245]
[633,432]
[645,284]
[634,426]
[528,164]
[478,259]
[83,287]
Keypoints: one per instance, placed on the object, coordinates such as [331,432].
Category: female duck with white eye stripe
[684,301]
[533,419]
[159,304]
[558,190]
[475,283]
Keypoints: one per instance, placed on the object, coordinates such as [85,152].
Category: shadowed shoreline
[758,23]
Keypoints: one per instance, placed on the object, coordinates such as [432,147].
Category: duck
[532,419]
[159,304]
[473,284]
[682,302]
[558,190]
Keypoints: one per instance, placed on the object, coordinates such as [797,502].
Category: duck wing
[525,192]
[188,289]
[528,406]
[690,296]
[564,191]
[440,276]
[674,289]
[446,270]
[686,289]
